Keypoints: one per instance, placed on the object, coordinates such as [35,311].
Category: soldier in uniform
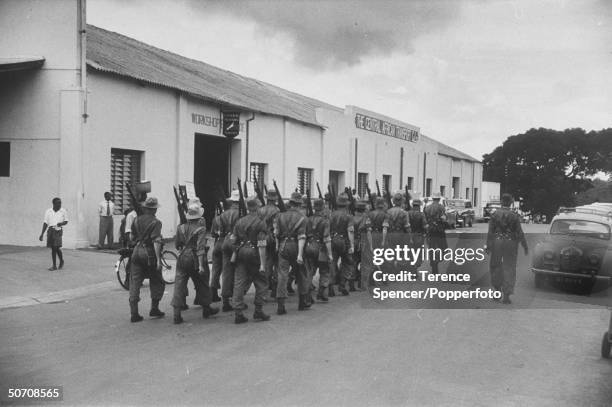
[192,262]
[217,254]
[399,225]
[249,239]
[146,259]
[505,234]
[290,232]
[376,225]
[342,231]
[418,226]
[360,220]
[317,252]
[435,215]
[227,221]
[268,213]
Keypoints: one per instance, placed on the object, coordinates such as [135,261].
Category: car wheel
[605,346]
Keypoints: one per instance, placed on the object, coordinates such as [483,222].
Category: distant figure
[435,217]
[505,233]
[105,210]
[55,219]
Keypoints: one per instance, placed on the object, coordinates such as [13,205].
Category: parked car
[577,249]
[465,214]
[490,209]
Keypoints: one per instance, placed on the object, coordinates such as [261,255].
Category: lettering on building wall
[204,120]
[388,129]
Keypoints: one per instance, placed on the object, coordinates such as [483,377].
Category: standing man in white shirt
[105,210]
[55,219]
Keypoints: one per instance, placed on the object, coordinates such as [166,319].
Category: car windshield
[580,227]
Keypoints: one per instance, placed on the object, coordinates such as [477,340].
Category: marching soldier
[418,226]
[146,259]
[342,231]
[376,226]
[435,215]
[505,234]
[217,254]
[268,213]
[317,252]
[290,232]
[360,220]
[227,221]
[399,224]
[249,237]
[192,263]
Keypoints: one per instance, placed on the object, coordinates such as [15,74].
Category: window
[443,190]
[125,167]
[258,170]
[456,190]
[467,193]
[410,183]
[386,184]
[475,197]
[362,180]
[428,187]
[304,180]
[5,159]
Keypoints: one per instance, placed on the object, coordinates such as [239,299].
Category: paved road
[341,353]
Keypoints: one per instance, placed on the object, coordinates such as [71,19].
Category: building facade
[89,109]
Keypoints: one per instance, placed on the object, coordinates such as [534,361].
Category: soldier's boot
[259,315]
[226,305]
[178,319]
[280,306]
[342,287]
[303,304]
[352,286]
[155,312]
[239,318]
[136,317]
[322,295]
[208,311]
[332,293]
[215,294]
[273,290]
[290,289]
[506,299]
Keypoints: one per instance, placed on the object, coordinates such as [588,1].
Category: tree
[548,168]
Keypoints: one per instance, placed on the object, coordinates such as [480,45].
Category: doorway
[210,171]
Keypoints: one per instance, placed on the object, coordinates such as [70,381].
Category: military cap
[342,200]
[361,205]
[318,204]
[397,197]
[252,202]
[296,197]
[380,202]
[272,194]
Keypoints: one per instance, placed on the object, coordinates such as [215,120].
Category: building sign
[231,124]
[210,121]
[382,127]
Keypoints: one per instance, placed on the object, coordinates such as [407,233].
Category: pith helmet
[296,197]
[342,200]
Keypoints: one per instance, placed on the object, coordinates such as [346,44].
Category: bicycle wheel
[123,274]
[169,260]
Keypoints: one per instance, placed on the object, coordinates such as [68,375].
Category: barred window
[410,183]
[125,167]
[5,159]
[386,184]
[304,180]
[443,190]
[257,171]
[428,187]
[362,180]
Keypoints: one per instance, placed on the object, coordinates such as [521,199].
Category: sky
[469,73]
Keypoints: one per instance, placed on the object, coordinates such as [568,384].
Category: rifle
[258,191]
[218,202]
[133,200]
[246,192]
[349,192]
[388,196]
[183,194]
[242,209]
[378,189]
[179,206]
[332,199]
[309,210]
[281,203]
[370,198]
[407,197]
[265,189]
[319,189]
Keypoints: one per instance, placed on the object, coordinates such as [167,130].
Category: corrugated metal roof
[111,52]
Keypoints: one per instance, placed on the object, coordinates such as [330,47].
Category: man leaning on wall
[105,211]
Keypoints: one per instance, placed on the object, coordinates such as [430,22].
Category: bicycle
[169,260]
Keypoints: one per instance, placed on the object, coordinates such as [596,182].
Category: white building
[82,110]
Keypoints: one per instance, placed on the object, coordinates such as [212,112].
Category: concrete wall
[41,116]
